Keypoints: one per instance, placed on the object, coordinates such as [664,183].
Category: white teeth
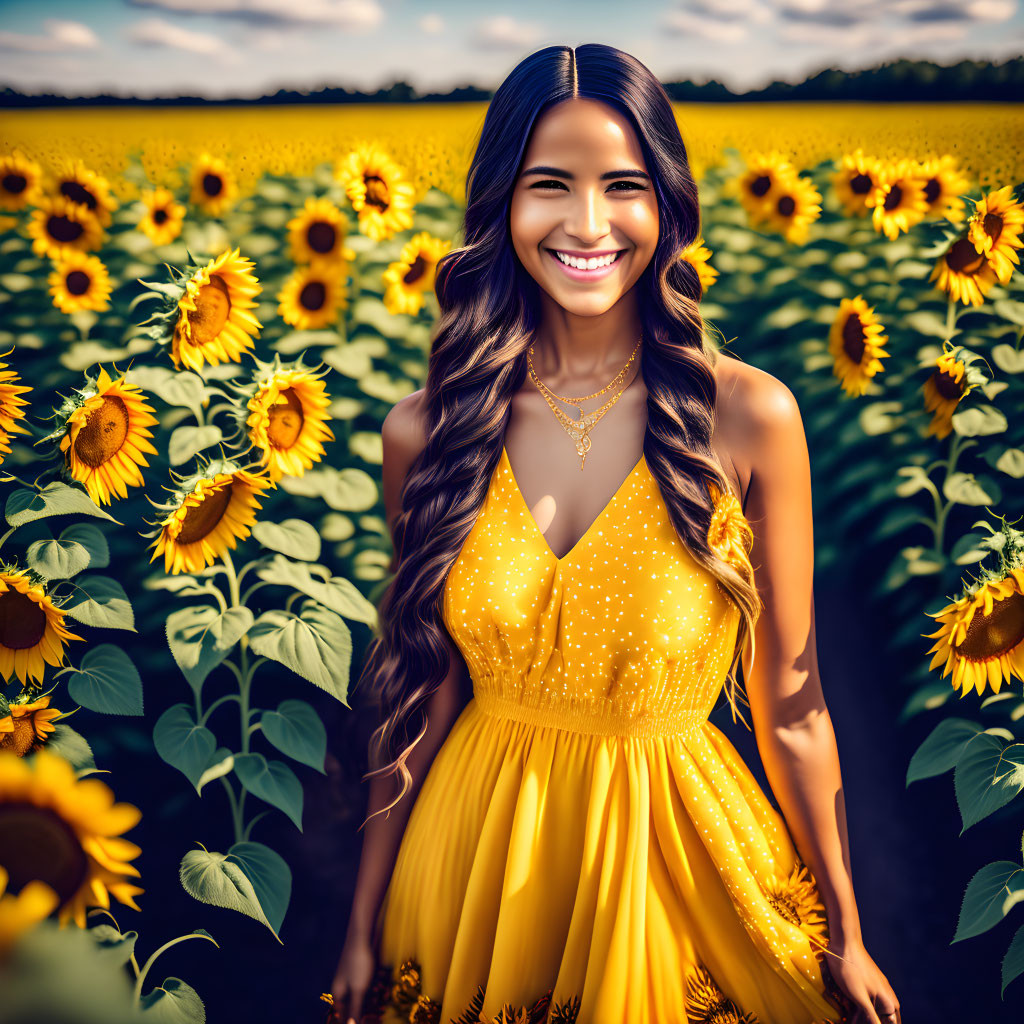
[592,264]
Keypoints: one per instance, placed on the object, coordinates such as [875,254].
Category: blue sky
[248,47]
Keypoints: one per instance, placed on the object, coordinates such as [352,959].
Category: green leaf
[201,637]
[56,559]
[339,594]
[917,479]
[221,762]
[270,876]
[182,743]
[73,747]
[1013,962]
[296,730]
[294,537]
[100,601]
[988,776]
[317,646]
[344,490]
[965,489]
[175,387]
[1011,462]
[942,749]
[114,946]
[188,441]
[93,539]
[926,322]
[174,1002]
[979,421]
[55,499]
[272,781]
[107,681]
[1008,358]
[990,895]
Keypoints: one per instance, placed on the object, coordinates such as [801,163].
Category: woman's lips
[586,275]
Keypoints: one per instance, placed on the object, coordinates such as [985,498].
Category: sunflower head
[854,181]
[759,186]
[943,185]
[213,185]
[65,832]
[163,216]
[409,279]
[794,204]
[698,255]
[102,430]
[20,181]
[79,281]
[898,200]
[313,295]
[27,724]
[32,630]
[378,191]
[207,514]
[205,312]
[318,232]
[282,412]
[956,372]
[11,405]
[706,1003]
[60,223]
[855,344]
[76,183]
[995,230]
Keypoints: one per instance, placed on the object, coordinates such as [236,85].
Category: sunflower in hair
[995,230]
[312,295]
[412,275]
[60,223]
[79,280]
[898,200]
[318,232]
[80,185]
[943,187]
[20,181]
[378,191]
[11,404]
[698,255]
[855,344]
[207,514]
[213,185]
[163,217]
[207,311]
[853,182]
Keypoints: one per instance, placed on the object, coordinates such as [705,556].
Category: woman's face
[583,191]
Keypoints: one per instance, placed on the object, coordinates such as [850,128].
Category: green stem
[235,816]
[943,508]
[216,703]
[152,960]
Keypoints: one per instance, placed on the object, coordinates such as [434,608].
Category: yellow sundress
[587,847]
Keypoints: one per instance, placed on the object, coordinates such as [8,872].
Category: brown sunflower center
[993,225]
[213,184]
[853,338]
[104,432]
[760,185]
[22,622]
[416,271]
[159,216]
[377,192]
[203,518]
[931,190]
[213,305]
[22,739]
[894,198]
[321,236]
[786,206]
[313,295]
[991,636]
[78,193]
[948,386]
[77,282]
[63,229]
[785,905]
[963,258]
[861,184]
[14,184]
[36,843]
[286,419]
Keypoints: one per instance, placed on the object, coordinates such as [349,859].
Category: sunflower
[729,533]
[79,281]
[956,373]
[32,632]
[79,185]
[163,217]
[897,201]
[20,181]
[58,223]
[213,185]
[27,725]
[855,344]
[412,275]
[981,637]
[697,254]
[943,186]
[853,182]
[318,232]
[797,899]
[795,204]
[208,514]
[766,175]
[103,430]
[287,418]
[964,273]
[312,295]
[66,832]
[11,404]
[706,1003]
[21,913]
[378,191]
[995,228]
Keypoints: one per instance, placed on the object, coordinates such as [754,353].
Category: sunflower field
[198,346]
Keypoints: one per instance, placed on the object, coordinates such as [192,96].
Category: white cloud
[431,24]
[501,32]
[349,15]
[684,23]
[59,36]
[157,32]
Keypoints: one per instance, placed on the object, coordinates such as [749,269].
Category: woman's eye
[547,184]
[632,185]
[629,185]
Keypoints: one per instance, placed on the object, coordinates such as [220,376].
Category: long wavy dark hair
[490,309]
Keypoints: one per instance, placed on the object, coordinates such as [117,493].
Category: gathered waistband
[644,723]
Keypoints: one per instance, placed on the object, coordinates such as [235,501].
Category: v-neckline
[559,561]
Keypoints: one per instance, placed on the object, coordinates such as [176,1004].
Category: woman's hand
[860,988]
[352,979]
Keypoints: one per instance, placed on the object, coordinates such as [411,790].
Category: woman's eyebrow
[556,172]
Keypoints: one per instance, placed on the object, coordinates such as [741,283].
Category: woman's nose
[589,219]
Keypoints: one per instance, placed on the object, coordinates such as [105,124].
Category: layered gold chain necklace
[579,430]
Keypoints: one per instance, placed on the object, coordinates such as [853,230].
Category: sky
[220,48]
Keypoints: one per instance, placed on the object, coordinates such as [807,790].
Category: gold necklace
[579,430]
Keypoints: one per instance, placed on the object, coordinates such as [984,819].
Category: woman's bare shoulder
[403,436]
